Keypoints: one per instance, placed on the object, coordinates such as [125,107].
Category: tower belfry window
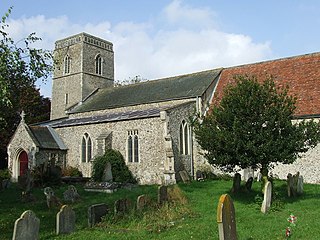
[67,64]
[98,64]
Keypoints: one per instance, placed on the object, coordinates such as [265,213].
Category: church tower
[83,63]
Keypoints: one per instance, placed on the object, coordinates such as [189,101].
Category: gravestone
[300,185]
[52,200]
[226,218]
[290,186]
[184,176]
[122,206]
[259,177]
[236,183]
[107,173]
[26,227]
[96,212]
[247,173]
[162,194]
[66,220]
[199,175]
[142,202]
[71,194]
[249,184]
[267,197]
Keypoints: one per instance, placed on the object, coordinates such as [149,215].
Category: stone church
[148,122]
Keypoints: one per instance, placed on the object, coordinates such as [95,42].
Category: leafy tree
[21,66]
[253,126]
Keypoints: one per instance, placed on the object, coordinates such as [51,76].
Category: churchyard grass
[194,220]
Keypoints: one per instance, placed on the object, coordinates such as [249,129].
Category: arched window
[86,148]
[184,138]
[98,64]
[67,64]
[133,146]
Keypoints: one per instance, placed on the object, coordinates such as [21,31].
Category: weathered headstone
[122,206]
[267,197]
[52,200]
[300,185]
[71,194]
[184,176]
[236,183]
[96,212]
[259,177]
[226,218]
[290,186]
[142,202]
[66,219]
[26,227]
[249,184]
[107,173]
[247,173]
[162,194]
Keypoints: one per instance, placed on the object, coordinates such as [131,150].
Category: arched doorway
[23,163]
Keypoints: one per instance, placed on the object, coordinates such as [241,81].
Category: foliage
[21,65]
[252,127]
[5,174]
[71,172]
[131,80]
[120,171]
[44,175]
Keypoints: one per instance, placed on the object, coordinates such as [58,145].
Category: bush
[120,171]
[71,172]
[5,174]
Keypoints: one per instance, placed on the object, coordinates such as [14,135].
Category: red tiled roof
[300,73]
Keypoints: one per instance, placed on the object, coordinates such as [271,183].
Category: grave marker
[66,220]
[236,183]
[162,194]
[142,202]
[226,218]
[185,176]
[300,185]
[122,206]
[267,197]
[96,212]
[26,227]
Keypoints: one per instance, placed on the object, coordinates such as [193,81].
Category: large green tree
[21,65]
[254,126]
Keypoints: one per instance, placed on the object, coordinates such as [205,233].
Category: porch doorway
[23,163]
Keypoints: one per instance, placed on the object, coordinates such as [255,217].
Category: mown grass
[194,219]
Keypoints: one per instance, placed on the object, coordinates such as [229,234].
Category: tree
[21,66]
[253,126]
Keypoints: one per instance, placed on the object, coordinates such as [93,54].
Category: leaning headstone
[184,176]
[107,173]
[300,185]
[26,227]
[267,197]
[236,183]
[71,194]
[162,194]
[66,219]
[122,206]
[142,202]
[249,184]
[96,212]
[226,218]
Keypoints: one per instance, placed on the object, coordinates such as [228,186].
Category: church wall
[149,170]
[176,115]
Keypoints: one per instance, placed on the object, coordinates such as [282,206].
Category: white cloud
[187,41]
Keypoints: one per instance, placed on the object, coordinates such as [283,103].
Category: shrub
[120,171]
[5,174]
[71,172]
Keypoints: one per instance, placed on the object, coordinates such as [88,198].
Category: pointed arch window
[98,63]
[133,146]
[67,64]
[184,138]
[86,148]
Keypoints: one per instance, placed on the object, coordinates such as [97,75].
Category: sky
[161,38]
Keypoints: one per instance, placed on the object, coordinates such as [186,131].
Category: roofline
[273,60]
[306,116]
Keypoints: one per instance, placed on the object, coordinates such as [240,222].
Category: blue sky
[160,38]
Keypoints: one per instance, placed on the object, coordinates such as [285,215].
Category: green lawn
[194,220]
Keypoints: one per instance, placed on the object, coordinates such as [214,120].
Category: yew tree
[21,65]
[254,126]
